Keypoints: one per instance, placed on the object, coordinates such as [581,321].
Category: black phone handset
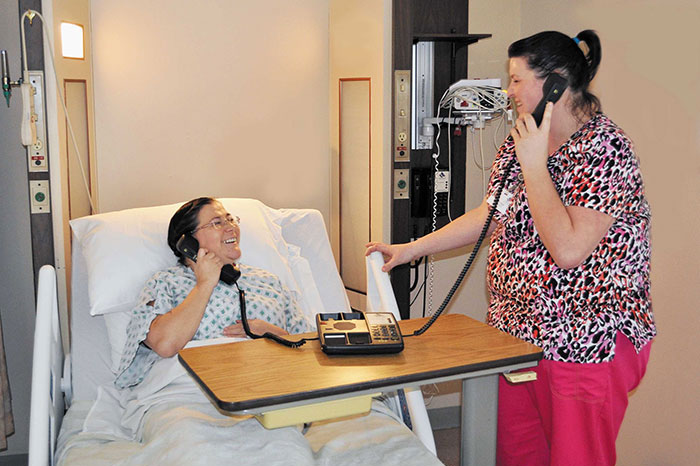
[552,89]
[189,246]
[230,273]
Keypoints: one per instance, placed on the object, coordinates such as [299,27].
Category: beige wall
[360,47]
[211,98]
[69,194]
[648,84]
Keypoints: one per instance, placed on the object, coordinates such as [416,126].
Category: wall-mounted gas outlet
[402,115]
[39,196]
[401,184]
[36,153]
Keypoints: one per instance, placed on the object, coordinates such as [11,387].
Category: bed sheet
[168,419]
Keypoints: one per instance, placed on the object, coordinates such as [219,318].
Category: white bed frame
[56,379]
[48,384]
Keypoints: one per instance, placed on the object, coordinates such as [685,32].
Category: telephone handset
[552,89]
[189,246]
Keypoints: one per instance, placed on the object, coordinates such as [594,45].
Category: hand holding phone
[530,145]
[189,246]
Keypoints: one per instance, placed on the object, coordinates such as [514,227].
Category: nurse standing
[568,264]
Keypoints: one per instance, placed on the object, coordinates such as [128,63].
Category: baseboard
[445,418]
[14,460]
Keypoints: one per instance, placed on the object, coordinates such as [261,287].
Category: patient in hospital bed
[155,413]
[189,302]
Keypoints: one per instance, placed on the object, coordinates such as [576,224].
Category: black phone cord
[268,335]
[469,262]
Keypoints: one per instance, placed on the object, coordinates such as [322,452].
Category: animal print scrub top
[266,299]
[574,315]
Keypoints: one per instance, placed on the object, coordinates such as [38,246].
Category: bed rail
[380,297]
[47,405]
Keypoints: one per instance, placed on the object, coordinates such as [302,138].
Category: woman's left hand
[531,142]
[257,326]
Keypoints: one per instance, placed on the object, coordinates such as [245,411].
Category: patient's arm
[170,332]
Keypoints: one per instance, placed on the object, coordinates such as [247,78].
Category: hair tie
[583,47]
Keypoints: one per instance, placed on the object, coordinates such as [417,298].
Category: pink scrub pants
[571,414]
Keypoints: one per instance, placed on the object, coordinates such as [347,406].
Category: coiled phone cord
[477,246]
[268,335]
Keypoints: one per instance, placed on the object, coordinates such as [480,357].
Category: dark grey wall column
[16,271]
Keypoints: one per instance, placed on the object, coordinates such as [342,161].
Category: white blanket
[167,419]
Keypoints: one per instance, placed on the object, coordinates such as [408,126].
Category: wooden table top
[256,373]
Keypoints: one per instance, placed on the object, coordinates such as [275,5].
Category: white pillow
[305,229]
[123,249]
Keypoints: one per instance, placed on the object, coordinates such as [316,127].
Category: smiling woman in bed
[188,302]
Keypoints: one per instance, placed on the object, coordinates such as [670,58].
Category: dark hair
[184,221]
[553,52]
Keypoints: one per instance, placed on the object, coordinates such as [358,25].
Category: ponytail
[589,43]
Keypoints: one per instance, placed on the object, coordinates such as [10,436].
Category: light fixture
[72,41]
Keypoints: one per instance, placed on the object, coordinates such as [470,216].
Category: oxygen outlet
[400,184]
[39,196]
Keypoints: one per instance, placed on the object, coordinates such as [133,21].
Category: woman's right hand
[207,269]
[170,332]
[394,254]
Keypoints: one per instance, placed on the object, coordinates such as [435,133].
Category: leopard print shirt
[575,314]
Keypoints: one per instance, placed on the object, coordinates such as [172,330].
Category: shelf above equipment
[456,38]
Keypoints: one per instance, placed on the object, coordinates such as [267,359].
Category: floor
[447,444]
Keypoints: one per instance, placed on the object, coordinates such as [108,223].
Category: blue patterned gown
[266,299]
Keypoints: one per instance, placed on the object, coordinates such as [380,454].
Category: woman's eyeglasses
[218,223]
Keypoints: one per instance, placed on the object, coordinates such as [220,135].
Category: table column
[479,420]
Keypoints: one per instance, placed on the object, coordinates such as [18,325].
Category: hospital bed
[113,256]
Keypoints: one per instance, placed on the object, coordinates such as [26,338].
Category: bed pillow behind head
[124,249]
[262,244]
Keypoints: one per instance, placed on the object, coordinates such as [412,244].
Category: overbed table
[258,376]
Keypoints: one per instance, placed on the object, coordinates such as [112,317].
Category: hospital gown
[266,299]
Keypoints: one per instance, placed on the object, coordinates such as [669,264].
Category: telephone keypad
[384,333]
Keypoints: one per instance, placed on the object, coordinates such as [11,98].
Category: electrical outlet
[36,153]
[39,196]
[402,115]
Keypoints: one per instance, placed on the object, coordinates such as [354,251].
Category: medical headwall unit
[430,49]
